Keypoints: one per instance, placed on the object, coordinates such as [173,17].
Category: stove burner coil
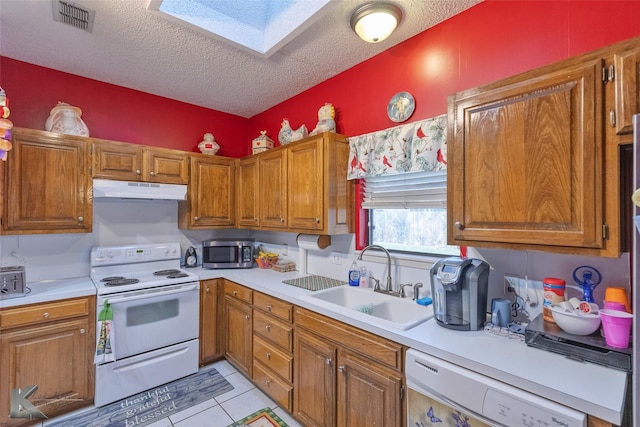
[121,281]
[177,275]
[112,278]
[167,272]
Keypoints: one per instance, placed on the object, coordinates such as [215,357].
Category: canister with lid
[553,295]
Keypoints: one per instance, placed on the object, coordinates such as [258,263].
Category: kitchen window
[407,212]
[402,187]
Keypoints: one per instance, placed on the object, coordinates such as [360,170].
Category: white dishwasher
[447,395]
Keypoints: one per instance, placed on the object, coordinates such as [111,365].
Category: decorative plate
[401,107]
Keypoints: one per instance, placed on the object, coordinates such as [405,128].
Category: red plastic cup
[617,327]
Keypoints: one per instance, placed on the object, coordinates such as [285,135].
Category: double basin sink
[372,307]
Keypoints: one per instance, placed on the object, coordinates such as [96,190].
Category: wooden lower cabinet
[49,346]
[237,314]
[369,395]
[210,320]
[338,378]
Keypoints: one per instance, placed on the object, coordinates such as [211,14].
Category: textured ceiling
[133,47]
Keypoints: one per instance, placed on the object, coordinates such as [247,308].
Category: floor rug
[149,406]
[265,417]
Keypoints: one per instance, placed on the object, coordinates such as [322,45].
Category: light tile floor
[224,409]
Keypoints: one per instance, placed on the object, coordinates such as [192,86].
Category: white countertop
[586,387]
[51,290]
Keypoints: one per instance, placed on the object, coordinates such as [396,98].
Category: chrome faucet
[389,288]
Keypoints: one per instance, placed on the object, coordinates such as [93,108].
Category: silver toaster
[12,282]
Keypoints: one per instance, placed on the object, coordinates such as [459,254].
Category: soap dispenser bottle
[354,274]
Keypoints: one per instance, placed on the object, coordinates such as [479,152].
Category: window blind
[412,190]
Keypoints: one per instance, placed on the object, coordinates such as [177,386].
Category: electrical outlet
[511,281]
[284,249]
[336,258]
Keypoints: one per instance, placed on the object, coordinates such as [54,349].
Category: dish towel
[104,349]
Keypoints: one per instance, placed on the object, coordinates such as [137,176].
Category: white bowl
[575,323]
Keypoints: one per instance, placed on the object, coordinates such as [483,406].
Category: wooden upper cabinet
[119,161]
[210,195]
[132,162]
[247,194]
[299,187]
[320,199]
[47,184]
[166,166]
[526,161]
[272,189]
[627,94]
[306,175]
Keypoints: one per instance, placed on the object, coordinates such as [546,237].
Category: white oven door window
[154,318]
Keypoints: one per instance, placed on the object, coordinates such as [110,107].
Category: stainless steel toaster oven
[13,282]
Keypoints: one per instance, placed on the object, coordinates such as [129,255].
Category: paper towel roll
[313,242]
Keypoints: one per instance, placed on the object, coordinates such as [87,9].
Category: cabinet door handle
[152,173]
[255,219]
[208,290]
[317,220]
[45,315]
[267,382]
[235,293]
[195,218]
[80,218]
[138,172]
[459,225]
[328,361]
[82,331]
[247,317]
[342,369]
[268,307]
[268,328]
[281,219]
[612,118]
[269,356]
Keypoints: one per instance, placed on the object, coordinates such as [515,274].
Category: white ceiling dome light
[374,22]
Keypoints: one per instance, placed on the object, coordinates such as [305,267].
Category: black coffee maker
[459,290]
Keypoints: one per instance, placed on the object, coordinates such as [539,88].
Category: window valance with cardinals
[413,147]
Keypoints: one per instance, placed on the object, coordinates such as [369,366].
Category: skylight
[261,26]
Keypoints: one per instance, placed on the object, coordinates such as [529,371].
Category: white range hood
[138,190]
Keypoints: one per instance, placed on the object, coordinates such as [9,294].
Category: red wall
[117,113]
[492,40]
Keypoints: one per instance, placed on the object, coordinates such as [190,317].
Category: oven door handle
[151,293]
[434,394]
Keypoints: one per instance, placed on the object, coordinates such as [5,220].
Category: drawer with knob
[276,360]
[273,306]
[45,312]
[277,332]
[277,389]
[238,291]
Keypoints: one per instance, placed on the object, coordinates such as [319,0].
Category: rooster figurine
[287,135]
[326,121]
